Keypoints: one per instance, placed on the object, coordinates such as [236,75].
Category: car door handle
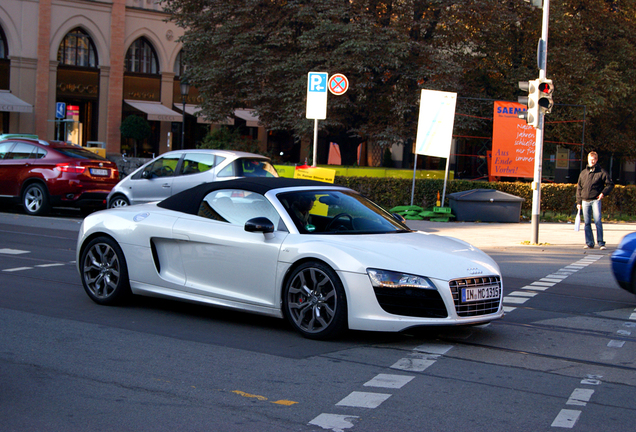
[165,185]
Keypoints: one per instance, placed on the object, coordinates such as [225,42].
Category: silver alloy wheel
[33,199]
[101,270]
[119,201]
[312,300]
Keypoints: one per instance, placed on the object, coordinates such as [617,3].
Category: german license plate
[99,172]
[480,294]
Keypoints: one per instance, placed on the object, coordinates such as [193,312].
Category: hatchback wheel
[314,301]
[118,201]
[104,271]
[35,199]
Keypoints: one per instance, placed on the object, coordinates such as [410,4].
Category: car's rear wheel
[314,301]
[35,199]
[118,201]
[104,271]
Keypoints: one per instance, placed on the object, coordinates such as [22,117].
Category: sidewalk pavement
[503,235]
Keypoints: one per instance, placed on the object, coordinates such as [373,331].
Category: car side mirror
[259,224]
[399,217]
[146,174]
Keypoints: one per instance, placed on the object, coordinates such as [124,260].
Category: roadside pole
[542,54]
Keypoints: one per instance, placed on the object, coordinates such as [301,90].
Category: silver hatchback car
[178,170]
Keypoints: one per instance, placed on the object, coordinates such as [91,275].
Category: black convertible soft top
[189,200]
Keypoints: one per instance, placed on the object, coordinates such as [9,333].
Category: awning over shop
[249,116]
[155,111]
[193,110]
[11,103]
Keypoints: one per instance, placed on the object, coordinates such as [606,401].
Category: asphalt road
[563,357]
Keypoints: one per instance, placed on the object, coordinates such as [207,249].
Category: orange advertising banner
[513,142]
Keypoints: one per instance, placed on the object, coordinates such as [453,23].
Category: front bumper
[434,307]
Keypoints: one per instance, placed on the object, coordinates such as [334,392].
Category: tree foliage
[257,53]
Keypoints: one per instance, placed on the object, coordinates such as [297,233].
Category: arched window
[141,57]
[77,49]
[179,67]
[4,51]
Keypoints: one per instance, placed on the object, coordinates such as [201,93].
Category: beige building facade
[75,69]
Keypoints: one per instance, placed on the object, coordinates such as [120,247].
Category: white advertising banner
[435,124]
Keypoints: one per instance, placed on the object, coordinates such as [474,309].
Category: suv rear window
[79,153]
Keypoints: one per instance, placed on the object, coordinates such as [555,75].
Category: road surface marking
[13,251]
[389,381]
[18,269]
[580,397]
[515,300]
[566,418]
[335,422]
[364,399]
[616,344]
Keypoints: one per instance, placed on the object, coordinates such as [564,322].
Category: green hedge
[555,197]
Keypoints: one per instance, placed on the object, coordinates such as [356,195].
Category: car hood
[416,253]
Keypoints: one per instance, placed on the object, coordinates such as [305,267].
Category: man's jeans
[592,208]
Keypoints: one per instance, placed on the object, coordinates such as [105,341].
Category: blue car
[624,263]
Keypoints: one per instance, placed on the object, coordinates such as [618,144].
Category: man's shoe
[602,248]
[588,247]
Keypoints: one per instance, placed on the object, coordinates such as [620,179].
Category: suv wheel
[35,199]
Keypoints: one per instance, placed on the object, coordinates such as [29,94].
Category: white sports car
[323,256]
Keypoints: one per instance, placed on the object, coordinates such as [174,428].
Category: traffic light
[545,95]
[531,115]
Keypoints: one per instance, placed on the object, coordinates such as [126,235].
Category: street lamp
[185,89]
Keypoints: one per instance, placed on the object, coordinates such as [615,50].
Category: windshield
[330,212]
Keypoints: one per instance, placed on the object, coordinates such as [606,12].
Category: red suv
[44,174]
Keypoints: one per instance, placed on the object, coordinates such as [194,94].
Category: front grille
[411,302]
[483,307]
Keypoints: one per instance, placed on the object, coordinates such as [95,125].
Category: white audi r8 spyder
[322,256]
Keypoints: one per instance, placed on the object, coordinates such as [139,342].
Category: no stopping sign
[338,84]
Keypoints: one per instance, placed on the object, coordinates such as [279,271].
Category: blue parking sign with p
[60,110]
[318,82]
[317,95]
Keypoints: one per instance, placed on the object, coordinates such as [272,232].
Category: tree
[257,53]
[225,138]
[135,128]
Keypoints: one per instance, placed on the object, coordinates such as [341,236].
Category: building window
[141,58]
[77,49]
[4,52]
[179,67]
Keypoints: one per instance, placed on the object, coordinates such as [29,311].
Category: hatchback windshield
[328,212]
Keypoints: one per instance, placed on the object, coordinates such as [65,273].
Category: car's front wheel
[35,199]
[104,271]
[314,301]
[118,201]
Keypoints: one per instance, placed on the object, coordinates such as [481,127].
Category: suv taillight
[75,169]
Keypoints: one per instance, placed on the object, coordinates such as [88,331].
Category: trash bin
[485,205]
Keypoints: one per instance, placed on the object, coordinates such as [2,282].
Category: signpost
[317,85]
[316,103]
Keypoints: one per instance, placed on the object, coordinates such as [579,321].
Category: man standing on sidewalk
[594,184]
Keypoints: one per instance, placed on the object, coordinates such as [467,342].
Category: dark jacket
[593,181]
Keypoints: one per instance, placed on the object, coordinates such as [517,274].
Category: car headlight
[391,279]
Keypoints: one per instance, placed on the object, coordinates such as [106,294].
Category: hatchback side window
[194,163]
[22,151]
[162,167]
[4,149]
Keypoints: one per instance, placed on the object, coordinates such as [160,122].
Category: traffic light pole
[538,155]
